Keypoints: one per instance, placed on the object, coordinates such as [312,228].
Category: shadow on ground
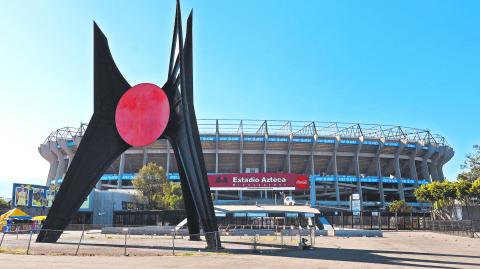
[385,257]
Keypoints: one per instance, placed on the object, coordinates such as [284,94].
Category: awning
[13,213]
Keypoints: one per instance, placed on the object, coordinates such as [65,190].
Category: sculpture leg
[193,222]
[100,146]
[197,183]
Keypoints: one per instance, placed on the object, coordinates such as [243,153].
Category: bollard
[80,241]
[311,240]
[29,241]
[216,240]
[2,239]
[173,243]
[125,246]
[281,238]
[299,236]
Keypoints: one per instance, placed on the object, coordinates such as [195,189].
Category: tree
[155,190]
[4,204]
[463,194]
[472,166]
[399,206]
[475,190]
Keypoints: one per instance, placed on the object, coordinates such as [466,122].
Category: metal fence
[380,221]
[93,242]
[468,228]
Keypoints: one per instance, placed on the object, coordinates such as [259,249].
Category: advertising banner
[258,181]
[25,195]
[38,197]
[21,193]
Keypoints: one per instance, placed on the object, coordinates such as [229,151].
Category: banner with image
[38,197]
[21,193]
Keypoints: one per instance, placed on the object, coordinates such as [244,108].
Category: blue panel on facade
[229,138]
[278,139]
[392,144]
[353,142]
[207,138]
[408,181]
[302,140]
[70,143]
[254,138]
[369,179]
[326,141]
[368,142]
[173,177]
[324,178]
[256,215]
[411,146]
[239,215]
[291,215]
[389,180]
[347,179]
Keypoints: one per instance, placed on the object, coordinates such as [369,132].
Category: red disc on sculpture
[142,114]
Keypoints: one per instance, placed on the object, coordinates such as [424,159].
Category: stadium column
[145,155]
[265,145]
[241,153]
[216,146]
[426,157]
[313,193]
[61,161]
[412,166]
[70,154]
[167,169]
[265,153]
[335,171]
[447,153]
[48,155]
[240,192]
[398,172]
[356,163]
[441,158]
[289,150]
[433,167]
[378,167]
[121,169]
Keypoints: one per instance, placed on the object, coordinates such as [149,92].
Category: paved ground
[395,249]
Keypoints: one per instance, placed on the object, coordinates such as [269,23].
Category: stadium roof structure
[294,128]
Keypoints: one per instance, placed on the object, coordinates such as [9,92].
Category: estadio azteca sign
[258,181]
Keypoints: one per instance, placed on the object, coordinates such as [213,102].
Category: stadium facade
[320,164]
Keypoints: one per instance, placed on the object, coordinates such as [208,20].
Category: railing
[125,243]
[468,228]
[379,221]
[295,128]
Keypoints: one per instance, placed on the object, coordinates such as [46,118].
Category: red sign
[258,181]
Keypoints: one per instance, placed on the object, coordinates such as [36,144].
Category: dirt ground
[394,250]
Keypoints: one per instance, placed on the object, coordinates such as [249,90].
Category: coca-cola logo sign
[301,182]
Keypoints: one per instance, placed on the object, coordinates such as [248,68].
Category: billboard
[25,195]
[258,181]
[38,197]
[28,195]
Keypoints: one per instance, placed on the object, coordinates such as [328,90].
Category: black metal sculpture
[102,143]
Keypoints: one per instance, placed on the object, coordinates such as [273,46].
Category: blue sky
[411,63]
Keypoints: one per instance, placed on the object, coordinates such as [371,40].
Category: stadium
[319,164]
